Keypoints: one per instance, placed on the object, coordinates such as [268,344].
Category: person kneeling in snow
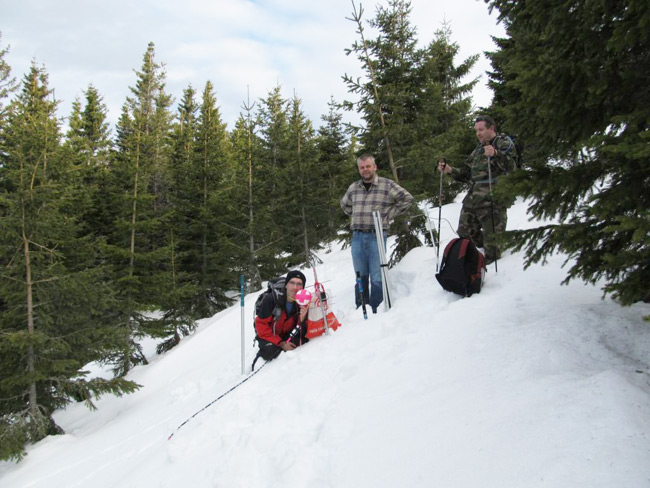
[280,323]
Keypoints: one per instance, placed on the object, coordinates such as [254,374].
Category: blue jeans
[365,259]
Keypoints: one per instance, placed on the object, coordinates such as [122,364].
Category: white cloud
[237,45]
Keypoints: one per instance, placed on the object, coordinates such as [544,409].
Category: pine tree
[7,82]
[184,137]
[304,194]
[385,96]
[199,169]
[140,176]
[573,83]
[49,288]
[243,204]
[416,108]
[443,121]
[176,319]
[388,99]
[336,168]
[270,177]
[88,147]
[218,228]
[442,130]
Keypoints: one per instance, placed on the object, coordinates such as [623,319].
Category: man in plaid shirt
[371,193]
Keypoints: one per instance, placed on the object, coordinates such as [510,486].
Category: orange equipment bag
[315,321]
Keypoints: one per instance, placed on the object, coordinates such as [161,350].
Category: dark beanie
[296,274]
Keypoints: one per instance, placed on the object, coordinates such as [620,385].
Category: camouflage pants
[479,226]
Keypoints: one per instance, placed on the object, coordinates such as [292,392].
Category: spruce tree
[573,85]
[140,243]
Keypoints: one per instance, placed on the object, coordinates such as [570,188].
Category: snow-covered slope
[527,384]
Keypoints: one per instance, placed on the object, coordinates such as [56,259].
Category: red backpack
[463,268]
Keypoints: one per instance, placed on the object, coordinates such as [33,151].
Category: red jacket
[283,326]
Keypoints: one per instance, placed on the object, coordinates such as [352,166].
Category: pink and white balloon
[303,297]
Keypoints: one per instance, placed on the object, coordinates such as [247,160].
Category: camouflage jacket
[475,170]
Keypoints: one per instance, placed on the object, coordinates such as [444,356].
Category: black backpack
[275,287]
[463,268]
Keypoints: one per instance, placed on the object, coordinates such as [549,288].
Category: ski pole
[241,291]
[319,289]
[361,295]
[439,216]
[303,299]
[496,268]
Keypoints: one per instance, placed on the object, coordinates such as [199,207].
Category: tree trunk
[135,204]
[357,18]
[254,272]
[31,355]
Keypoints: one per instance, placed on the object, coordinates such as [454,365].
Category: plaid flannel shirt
[384,195]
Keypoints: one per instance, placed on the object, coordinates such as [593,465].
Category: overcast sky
[238,45]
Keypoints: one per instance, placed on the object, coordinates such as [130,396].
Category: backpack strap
[448,247]
[463,248]
[277,311]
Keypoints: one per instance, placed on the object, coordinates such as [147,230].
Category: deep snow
[527,384]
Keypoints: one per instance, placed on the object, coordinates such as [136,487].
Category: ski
[379,231]
[430,228]
[319,290]
[253,373]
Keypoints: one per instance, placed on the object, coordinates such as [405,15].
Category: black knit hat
[296,274]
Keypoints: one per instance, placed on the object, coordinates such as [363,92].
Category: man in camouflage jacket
[481,216]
